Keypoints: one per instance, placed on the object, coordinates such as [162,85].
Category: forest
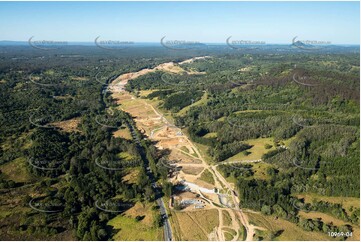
[61,181]
[307,103]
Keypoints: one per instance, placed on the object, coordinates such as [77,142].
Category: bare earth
[156,127]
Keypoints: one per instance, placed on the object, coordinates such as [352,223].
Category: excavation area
[203,206]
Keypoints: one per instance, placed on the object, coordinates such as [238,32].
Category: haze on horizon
[205,22]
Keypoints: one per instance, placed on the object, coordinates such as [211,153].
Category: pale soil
[123,133]
[150,121]
[70,125]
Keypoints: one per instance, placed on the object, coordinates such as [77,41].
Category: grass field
[210,135]
[192,170]
[131,229]
[190,152]
[238,112]
[156,103]
[260,171]
[203,150]
[185,149]
[227,220]
[347,202]
[132,175]
[324,217]
[23,139]
[195,225]
[11,208]
[288,141]
[257,150]
[201,101]
[125,156]
[123,133]
[70,125]
[247,111]
[144,93]
[228,236]
[207,177]
[16,170]
[291,230]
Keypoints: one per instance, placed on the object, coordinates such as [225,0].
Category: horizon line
[160,43]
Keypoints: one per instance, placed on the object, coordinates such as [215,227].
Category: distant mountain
[300,44]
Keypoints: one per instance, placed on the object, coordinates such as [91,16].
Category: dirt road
[158,128]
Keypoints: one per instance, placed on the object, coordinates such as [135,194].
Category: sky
[205,22]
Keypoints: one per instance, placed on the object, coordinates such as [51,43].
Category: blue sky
[272,22]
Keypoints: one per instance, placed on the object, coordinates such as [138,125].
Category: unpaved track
[117,87]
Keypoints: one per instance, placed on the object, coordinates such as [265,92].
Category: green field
[195,225]
[347,202]
[290,230]
[128,228]
[125,156]
[207,177]
[210,135]
[202,101]
[16,170]
[227,220]
[257,150]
